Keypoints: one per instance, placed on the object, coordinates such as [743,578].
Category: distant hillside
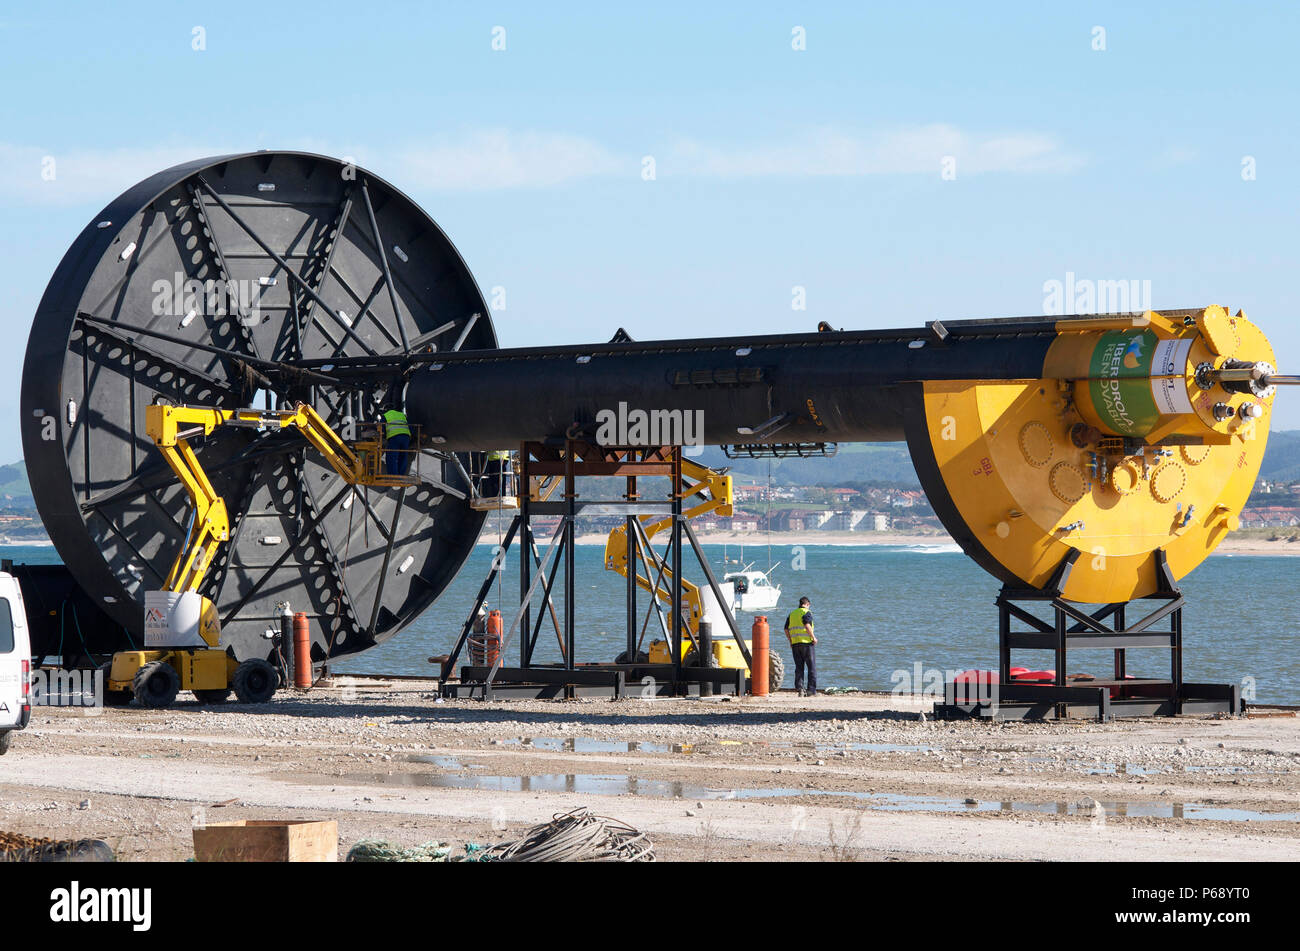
[1282,458]
[13,482]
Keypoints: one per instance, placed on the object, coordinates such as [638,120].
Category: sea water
[880,611]
[882,614]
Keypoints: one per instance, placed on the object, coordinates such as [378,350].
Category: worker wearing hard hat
[799,631]
[397,439]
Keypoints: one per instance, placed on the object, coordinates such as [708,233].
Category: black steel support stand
[525,561]
[498,562]
[676,550]
[575,459]
[633,551]
[570,579]
[1072,628]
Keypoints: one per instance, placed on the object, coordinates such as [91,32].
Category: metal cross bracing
[234,313]
[545,472]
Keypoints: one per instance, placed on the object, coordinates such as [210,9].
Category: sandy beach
[757,540]
[1257,545]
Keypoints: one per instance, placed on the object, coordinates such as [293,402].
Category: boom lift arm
[713,493]
[182,640]
[171,428]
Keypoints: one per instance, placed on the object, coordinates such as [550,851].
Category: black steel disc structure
[200,285]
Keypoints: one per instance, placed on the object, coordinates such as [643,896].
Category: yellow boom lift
[182,633]
[711,493]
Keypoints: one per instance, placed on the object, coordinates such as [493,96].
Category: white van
[15,662]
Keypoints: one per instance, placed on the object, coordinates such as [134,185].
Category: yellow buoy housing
[1145,432]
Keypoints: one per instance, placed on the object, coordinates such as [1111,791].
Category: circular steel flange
[1036,444]
[1168,481]
[1067,482]
[177,292]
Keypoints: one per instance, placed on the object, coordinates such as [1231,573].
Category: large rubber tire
[155,685]
[6,738]
[255,681]
[775,670]
[641,658]
[219,695]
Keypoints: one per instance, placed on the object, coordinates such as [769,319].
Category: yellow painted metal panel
[1029,494]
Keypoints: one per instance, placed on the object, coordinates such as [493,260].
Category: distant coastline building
[848,520]
[799,520]
[1270,516]
[750,493]
[739,522]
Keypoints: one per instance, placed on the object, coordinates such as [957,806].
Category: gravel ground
[857,776]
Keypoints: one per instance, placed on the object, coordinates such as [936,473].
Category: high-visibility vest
[395,424]
[498,455]
[795,626]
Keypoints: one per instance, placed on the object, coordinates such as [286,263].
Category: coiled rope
[576,836]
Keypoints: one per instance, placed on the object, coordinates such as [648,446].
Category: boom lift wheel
[255,681]
[156,684]
[775,671]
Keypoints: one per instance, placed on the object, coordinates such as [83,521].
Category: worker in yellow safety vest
[799,631]
[397,440]
[496,480]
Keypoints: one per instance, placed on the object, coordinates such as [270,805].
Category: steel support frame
[570,461]
[1106,627]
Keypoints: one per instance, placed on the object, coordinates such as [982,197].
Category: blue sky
[774,167]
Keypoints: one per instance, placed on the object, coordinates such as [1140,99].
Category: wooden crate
[267,840]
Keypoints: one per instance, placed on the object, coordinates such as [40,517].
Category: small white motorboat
[753,590]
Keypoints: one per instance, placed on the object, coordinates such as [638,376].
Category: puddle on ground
[1133,769]
[621,784]
[1118,769]
[873,748]
[587,744]
[444,762]
[1228,770]
[847,747]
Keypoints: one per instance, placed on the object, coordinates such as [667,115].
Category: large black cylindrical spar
[832,386]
